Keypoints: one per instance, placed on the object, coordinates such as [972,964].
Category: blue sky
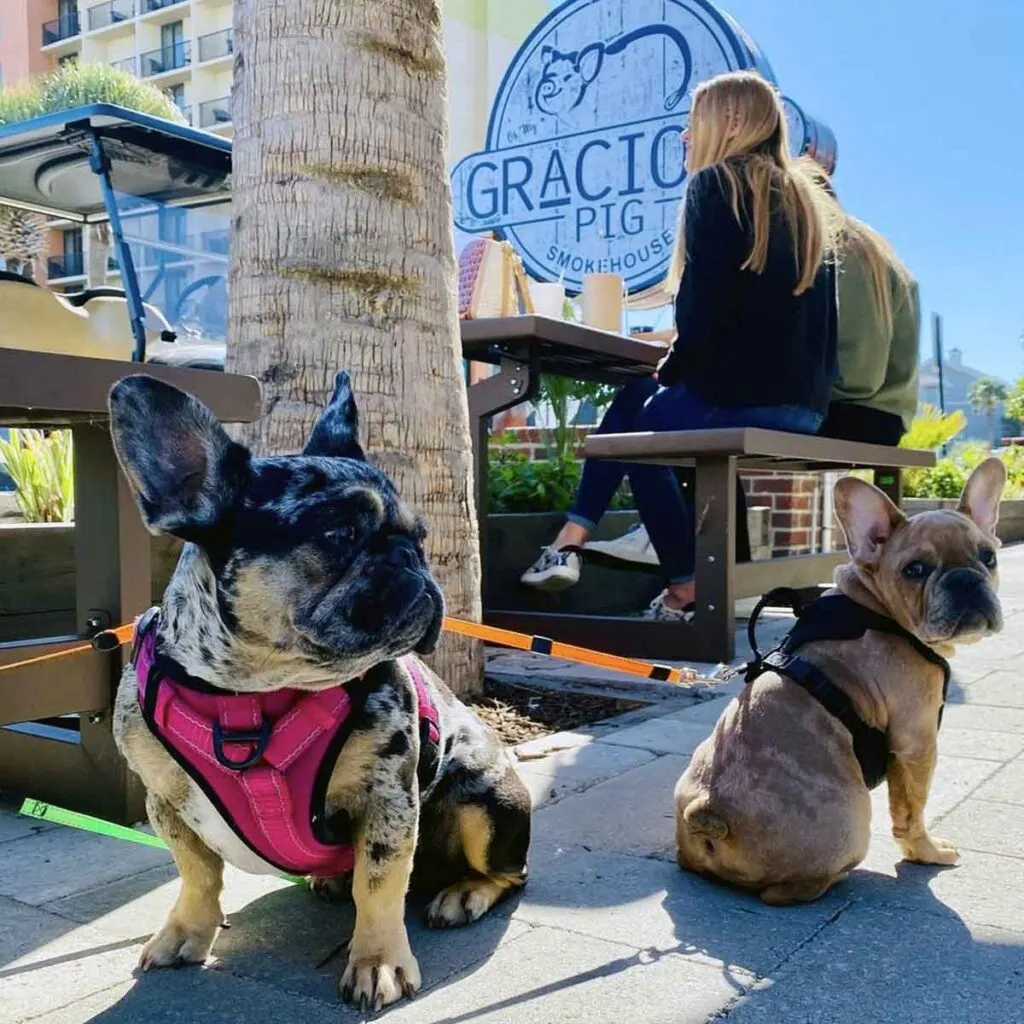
[926,98]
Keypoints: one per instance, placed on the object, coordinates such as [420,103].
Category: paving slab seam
[725,1011]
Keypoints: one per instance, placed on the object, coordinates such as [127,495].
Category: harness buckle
[260,738]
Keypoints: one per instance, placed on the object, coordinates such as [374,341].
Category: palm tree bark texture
[342,257]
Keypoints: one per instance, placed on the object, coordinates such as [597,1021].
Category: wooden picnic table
[55,716]
[523,348]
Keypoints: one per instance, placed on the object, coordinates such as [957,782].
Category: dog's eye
[987,557]
[917,571]
[339,535]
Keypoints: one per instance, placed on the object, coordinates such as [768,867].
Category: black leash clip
[785,596]
[99,634]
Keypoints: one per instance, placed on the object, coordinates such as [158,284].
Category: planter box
[37,578]
[1011,515]
[514,541]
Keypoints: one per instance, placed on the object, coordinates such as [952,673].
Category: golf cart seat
[94,323]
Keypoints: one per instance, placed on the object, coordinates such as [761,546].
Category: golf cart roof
[44,162]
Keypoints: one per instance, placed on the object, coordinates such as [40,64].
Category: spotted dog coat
[302,572]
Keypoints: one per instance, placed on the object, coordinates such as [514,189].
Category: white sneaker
[554,570]
[658,611]
[634,546]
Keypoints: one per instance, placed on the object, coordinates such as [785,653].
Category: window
[73,242]
[172,35]
[67,58]
[177,95]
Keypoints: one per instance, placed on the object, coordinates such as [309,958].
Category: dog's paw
[374,980]
[463,903]
[929,850]
[336,889]
[176,945]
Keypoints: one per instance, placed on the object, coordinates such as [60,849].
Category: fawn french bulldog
[776,799]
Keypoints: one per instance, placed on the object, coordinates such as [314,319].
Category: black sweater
[744,339]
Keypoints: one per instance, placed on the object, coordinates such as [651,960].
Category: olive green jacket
[877,369]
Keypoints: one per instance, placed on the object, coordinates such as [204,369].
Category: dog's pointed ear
[982,494]
[868,518]
[336,432]
[183,469]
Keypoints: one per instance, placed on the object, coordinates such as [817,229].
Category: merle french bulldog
[300,574]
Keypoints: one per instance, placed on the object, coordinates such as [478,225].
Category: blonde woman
[875,397]
[755,321]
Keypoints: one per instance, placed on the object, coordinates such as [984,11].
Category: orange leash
[582,655]
[107,640]
[111,639]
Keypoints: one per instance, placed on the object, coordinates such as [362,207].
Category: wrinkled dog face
[312,554]
[937,572]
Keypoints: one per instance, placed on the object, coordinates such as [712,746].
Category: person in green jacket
[875,396]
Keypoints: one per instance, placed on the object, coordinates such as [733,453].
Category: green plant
[1015,402]
[41,467]
[77,83]
[516,483]
[945,480]
[931,429]
[560,393]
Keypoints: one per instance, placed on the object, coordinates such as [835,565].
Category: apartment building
[183,47]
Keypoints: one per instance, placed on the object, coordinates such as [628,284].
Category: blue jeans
[644,406]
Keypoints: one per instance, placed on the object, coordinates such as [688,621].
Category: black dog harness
[834,617]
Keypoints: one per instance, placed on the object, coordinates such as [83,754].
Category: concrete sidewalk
[608,928]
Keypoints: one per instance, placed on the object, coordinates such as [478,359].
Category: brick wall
[795,500]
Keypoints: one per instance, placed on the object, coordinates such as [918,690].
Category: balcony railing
[167,58]
[71,264]
[67,26]
[110,13]
[215,112]
[128,64]
[156,5]
[216,44]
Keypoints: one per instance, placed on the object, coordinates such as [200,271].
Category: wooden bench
[56,740]
[716,455]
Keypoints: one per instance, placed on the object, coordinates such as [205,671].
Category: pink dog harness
[263,759]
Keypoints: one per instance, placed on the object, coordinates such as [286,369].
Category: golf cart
[163,189]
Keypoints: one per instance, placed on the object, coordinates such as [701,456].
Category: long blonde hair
[738,126]
[891,281]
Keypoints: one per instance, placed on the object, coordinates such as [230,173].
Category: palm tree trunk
[342,256]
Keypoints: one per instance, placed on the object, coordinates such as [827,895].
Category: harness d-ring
[261,739]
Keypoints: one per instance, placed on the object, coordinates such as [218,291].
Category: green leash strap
[86,823]
[59,816]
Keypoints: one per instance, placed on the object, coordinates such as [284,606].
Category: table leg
[890,482]
[515,382]
[715,569]
[113,579]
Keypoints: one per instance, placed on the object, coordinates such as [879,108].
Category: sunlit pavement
[608,928]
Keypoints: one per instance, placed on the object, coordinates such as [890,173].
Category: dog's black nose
[402,554]
[963,582]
